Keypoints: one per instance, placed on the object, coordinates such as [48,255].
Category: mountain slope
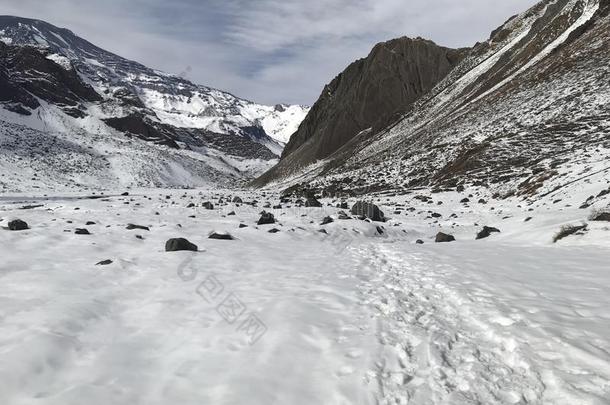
[54,81]
[369,95]
[526,112]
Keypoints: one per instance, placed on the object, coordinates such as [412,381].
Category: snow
[61,61]
[352,316]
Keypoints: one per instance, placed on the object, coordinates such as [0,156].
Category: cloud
[269,51]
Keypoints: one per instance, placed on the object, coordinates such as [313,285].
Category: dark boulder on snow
[419,242]
[601,216]
[104,262]
[220,236]
[18,225]
[243,226]
[134,226]
[312,202]
[274,230]
[327,220]
[208,205]
[82,231]
[443,237]
[486,232]
[368,210]
[179,244]
[266,218]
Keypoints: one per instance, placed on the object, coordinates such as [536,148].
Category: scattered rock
[266,218]
[82,231]
[104,262]
[89,223]
[443,237]
[220,236]
[313,203]
[419,242]
[208,205]
[342,215]
[274,230]
[180,244]
[133,226]
[237,200]
[243,226]
[601,216]
[18,225]
[486,232]
[327,220]
[368,210]
[231,213]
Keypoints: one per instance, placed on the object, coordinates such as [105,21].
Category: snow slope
[370,318]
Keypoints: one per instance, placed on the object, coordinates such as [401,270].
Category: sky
[268,51]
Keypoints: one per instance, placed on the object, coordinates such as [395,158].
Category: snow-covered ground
[360,314]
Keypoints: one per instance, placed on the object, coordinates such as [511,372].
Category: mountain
[369,95]
[55,82]
[526,112]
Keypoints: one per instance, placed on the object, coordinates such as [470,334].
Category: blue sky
[269,51]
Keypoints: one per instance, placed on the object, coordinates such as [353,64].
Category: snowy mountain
[55,82]
[527,112]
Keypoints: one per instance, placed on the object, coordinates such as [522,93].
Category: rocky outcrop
[367,96]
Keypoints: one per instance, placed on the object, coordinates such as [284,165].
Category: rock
[125,194]
[133,226]
[266,218]
[104,263]
[465,200]
[274,230]
[368,210]
[342,215]
[313,203]
[419,242]
[89,223]
[601,216]
[220,236]
[380,230]
[327,220]
[18,225]
[180,244]
[486,232]
[231,213]
[443,237]
[344,205]
[323,231]
[82,231]
[237,200]
[243,226]
[436,215]
[191,205]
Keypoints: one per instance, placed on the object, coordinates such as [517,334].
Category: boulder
[486,232]
[104,262]
[220,236]
[368,210]
[312,202]
[266,218]
[237,200]
[327,220]
[179,244]
[443,237]
[18,225]
[134,226]
[82,231]
[208,205]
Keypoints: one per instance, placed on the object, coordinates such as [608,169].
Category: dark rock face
[266,218]
[443,237]
[371,93]
[486,232]
[327,220]
[208,205]
[60,86]
[368,210]
[18,225]
[82,231]
[180,244]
